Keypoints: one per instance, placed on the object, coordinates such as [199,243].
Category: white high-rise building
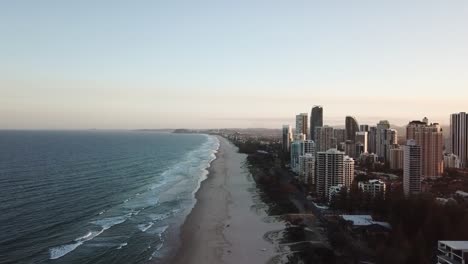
[459,136]
[384,139]
[287,138]
[301,124]
[330,171]
[307,168]
[348,167]
[298,149]
[412,168]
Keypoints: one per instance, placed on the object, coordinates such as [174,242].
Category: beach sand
[225,225]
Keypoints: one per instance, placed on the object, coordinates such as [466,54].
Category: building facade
[396,154]
[430,138]
[352,127]
[412,168]
[324,138]
[451,161]
[316,120]
[307,168]
[361,142]
[385,138]
[452,252]
[329,172]
[348,168]
[373,187]
[301,124]
[372,140]
[459,137]
[287,137]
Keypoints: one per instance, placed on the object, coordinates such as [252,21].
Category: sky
[211,64]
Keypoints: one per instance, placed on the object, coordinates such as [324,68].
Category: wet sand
[225,226]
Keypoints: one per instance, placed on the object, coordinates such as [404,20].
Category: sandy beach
[224,226]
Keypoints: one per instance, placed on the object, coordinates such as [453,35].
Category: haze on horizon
[209,64]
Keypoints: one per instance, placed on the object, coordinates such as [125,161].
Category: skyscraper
[361,143]
[412,168]
[351,127]
[364,128]
[324,138]
[459,134]
[316,120]
[385,137]
[430,138]
[287,137]
[372,140]
[330,171]
[298,149]
[396,157]
[301,124]
[348,168]
[340,135]
[307,168]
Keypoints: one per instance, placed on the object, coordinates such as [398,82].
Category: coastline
[222,226]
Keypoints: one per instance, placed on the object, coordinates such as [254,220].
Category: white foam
[60,251]
[122,245]
[144,227]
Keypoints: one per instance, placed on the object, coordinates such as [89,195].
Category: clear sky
[159,64]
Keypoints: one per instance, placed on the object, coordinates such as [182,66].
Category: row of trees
[418,222]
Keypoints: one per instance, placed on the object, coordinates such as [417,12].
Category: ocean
[97,196]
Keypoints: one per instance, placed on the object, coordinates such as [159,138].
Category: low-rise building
[373,187]
[334,191]
[451,161]
[452,252]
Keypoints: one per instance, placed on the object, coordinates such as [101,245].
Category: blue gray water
[96,197]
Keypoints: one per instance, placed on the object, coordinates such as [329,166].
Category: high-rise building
[316,120]
[361,141]
[350,148]
[307,168]
[430,138]
[287,137]
[340,135]
[372,140]
[329,171]
[396,157]
[352,127]
[301,124]
[324,138]
[412,168]
[385,138]
[348,168]
[451,161]
[298,149]
[296,152]
[364,128]
[459,135]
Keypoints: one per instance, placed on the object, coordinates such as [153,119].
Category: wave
[106,223]
[144,227]
[122,245]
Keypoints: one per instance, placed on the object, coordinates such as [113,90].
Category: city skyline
[116,65]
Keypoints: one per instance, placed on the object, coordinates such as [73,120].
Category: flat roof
[457,245]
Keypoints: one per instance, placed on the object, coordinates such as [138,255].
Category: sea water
[95,196]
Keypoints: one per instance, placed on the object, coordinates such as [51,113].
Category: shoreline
[222,227]
[202,225]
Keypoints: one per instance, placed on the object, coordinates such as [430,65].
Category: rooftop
[456,245]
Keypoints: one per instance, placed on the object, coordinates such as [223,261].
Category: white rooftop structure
[364,220]
[452,252]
